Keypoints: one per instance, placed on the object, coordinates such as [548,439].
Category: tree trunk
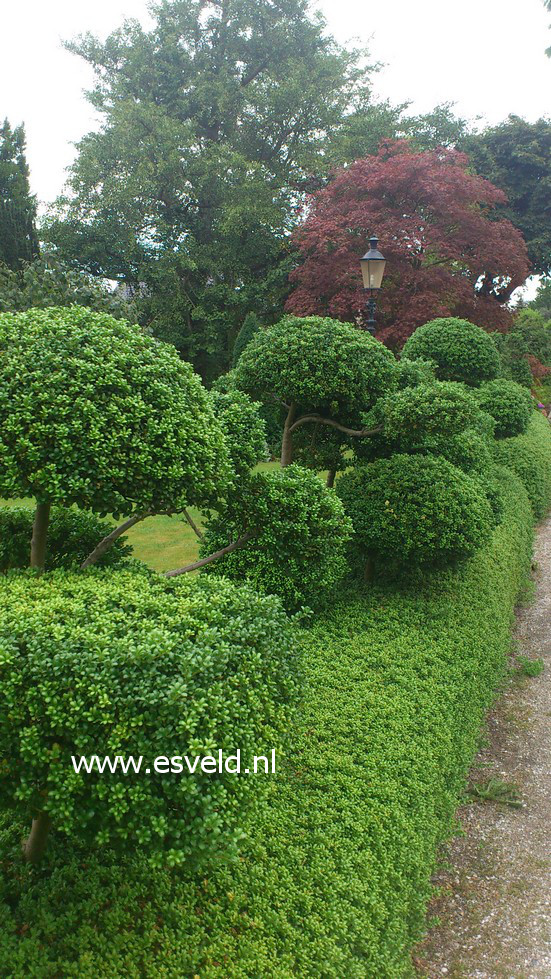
[287,440]
[35,844]
[331,478]
[40,535]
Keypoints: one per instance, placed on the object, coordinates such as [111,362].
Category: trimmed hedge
[336,877]
[529,456]
[119,663]
[72,536]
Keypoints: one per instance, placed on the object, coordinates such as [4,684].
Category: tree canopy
[446,255]
[516,157]
[211,122]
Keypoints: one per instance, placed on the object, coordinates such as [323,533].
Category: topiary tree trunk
[35,844]
[287,440]
[40,535]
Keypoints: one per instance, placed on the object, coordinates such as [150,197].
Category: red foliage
[539,370]
[445,254]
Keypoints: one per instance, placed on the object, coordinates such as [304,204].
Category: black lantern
[373,268]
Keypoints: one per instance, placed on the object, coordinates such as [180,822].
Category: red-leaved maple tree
[446,255]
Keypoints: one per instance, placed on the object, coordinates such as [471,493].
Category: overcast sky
[487,56]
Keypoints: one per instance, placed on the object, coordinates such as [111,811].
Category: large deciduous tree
[516,156]
[211,121]
[445,254]
[18,239]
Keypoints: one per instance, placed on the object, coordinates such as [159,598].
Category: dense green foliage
[251,325]
[509,404]
[516,156]
[529,456]
[94,412]
[460,350]
[414,372]
[319,364]
[243,427]
[48,282]
[336,877]
[428,415]
[72,536]
[119,663]
[526,350]
[415,510]
[300,533]
[18,238]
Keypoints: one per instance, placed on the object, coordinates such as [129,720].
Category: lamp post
[373,268]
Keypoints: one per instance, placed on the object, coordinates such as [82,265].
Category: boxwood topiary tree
[294,532]
[510,405]
[415,510]
[460,350]
[320,371]
[114,663]
[95,412]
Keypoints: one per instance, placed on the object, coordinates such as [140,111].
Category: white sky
[485,55]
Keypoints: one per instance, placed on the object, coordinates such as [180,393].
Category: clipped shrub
[72,536]
[414,372]
[300,532]
[460,350]
[119,664]
[529,456]
[95,412]
[439,410]
[415,510]
[244,429]
[509,404]
[426,418]
[319,364]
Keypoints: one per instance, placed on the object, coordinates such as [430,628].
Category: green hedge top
[94,412]
[123,663]
[460,350]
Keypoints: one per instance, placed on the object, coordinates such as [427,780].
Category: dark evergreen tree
[18,238]
[251,325]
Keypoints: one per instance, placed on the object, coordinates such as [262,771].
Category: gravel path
[495,903]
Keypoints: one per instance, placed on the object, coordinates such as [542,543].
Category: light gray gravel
[495,904]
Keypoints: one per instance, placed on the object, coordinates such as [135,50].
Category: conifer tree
[18,238]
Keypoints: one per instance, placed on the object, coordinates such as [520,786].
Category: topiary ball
[460,350]
[317,364]
[509,404]
[95,412]
[300,534]
[415,510]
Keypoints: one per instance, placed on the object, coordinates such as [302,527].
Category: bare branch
[193,525]
[212,557]
[358,433]
[106,543]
